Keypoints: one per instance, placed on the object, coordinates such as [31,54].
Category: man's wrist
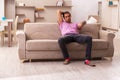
[61,12]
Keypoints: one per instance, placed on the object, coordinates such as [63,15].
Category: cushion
[91,20]
[91,30]
[53,45]
[42,31]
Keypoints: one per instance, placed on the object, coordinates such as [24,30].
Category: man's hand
[59,16]
[80,25]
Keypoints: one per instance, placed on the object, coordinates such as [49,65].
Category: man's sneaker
[67,61]
[87,62]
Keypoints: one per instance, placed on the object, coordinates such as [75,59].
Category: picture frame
[59,3]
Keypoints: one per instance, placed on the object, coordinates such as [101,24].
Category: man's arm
[59,16]
[80,25]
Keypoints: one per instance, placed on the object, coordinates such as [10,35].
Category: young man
[70,34]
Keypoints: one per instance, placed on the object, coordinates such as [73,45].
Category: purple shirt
[66,28]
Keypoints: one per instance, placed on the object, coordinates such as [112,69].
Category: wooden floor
[12,69]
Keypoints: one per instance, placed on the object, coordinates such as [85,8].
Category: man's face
[67,18]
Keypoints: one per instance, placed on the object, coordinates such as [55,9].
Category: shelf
[56,6]
[112,5]
[25,6]
[39,17]
[20,22]
[20,14]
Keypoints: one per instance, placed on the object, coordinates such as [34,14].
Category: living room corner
[30,32]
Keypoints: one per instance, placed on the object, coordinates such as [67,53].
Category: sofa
[40,41]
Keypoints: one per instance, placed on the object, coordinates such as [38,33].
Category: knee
[89,38]
[60,40]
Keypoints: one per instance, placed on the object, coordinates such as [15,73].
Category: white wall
[1,8]
[119,15]
[82,8]
[109,15]
[49,13]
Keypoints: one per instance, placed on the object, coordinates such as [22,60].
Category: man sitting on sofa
[70,33]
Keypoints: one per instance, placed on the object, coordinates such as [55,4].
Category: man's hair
[66,12]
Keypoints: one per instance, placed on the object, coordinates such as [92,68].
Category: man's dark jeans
[79,38]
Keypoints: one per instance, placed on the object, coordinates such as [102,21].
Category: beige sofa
[40,41]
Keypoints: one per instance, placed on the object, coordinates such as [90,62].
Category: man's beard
[68,21]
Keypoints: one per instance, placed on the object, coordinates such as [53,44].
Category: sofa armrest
[21,38]
[109,36]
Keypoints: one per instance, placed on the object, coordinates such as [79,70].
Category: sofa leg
[107,58]
[30,60]
[102,58]
[23,60]
[110,58]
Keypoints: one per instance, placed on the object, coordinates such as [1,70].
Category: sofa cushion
[91,30]
[42,31]
[53,45]
[42,44]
